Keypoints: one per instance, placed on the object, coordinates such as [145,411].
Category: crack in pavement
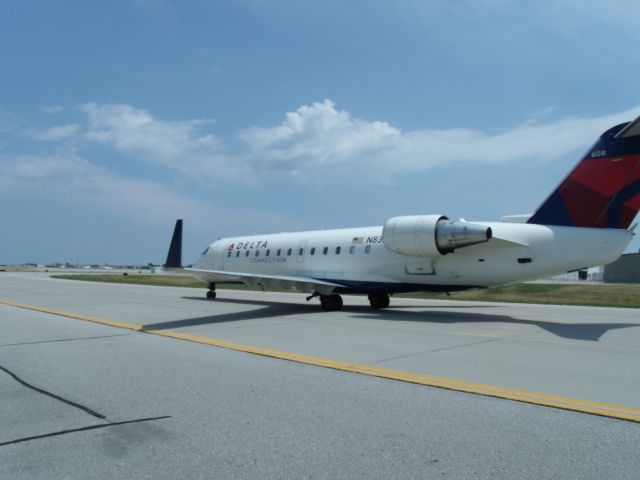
[65,340]
[442,349]
[81,429]
[52,395]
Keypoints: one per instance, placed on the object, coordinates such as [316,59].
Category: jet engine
[431,235]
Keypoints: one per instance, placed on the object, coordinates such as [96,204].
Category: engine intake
[431,235]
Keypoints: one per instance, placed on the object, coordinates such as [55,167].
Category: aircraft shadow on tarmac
[427,314]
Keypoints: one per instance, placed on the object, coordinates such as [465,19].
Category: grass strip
[598,295]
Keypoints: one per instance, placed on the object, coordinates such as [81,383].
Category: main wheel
[211,294]
[379,300]
[331,302]
[338,301]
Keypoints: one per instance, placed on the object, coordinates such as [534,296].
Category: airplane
[583,222]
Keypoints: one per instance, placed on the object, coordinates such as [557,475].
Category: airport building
[624,270]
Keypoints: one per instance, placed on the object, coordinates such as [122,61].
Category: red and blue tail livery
[603,191]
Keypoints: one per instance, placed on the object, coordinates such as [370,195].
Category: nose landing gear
[211,294]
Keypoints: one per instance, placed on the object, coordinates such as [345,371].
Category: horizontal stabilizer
[516,218]
[631,130]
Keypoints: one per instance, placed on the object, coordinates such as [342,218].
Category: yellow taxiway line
[565,403]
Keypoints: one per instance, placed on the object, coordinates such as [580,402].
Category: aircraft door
[301,252]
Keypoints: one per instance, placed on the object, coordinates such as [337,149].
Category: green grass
[609,295]
[155,280]
[556,294]
[137,279]
[17,268]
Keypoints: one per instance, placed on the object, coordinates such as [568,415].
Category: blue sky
[245,117]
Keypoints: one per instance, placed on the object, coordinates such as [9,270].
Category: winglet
[174,257]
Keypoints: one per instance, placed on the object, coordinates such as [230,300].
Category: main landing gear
[211,294]
[379,300]
[331,302]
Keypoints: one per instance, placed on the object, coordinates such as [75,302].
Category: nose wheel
[211,294]
[379,300]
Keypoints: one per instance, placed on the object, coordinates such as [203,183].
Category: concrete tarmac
[177,408]
[579,352]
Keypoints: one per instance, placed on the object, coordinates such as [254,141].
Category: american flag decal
[357,240]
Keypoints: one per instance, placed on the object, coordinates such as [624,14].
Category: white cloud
[55,134]
[320,143]
[52,109]
[323,133]
[90,186]
[67,174]
[28,168]
[177,145]
[134,130]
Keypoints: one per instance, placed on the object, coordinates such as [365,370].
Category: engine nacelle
[431,235]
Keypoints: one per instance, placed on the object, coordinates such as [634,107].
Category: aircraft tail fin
[174,256]
[603,190]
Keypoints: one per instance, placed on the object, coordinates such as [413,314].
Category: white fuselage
[358,258]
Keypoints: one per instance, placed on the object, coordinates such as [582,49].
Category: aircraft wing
[304,284]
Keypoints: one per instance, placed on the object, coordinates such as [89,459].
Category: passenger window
[352,249]
[267,253]
[257,252]
[238,253]
[300,251]
[313,251]
[278,252]
[228,254]
[367,249]
[289,253]
[246,254]
[325,250]
[337,250]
